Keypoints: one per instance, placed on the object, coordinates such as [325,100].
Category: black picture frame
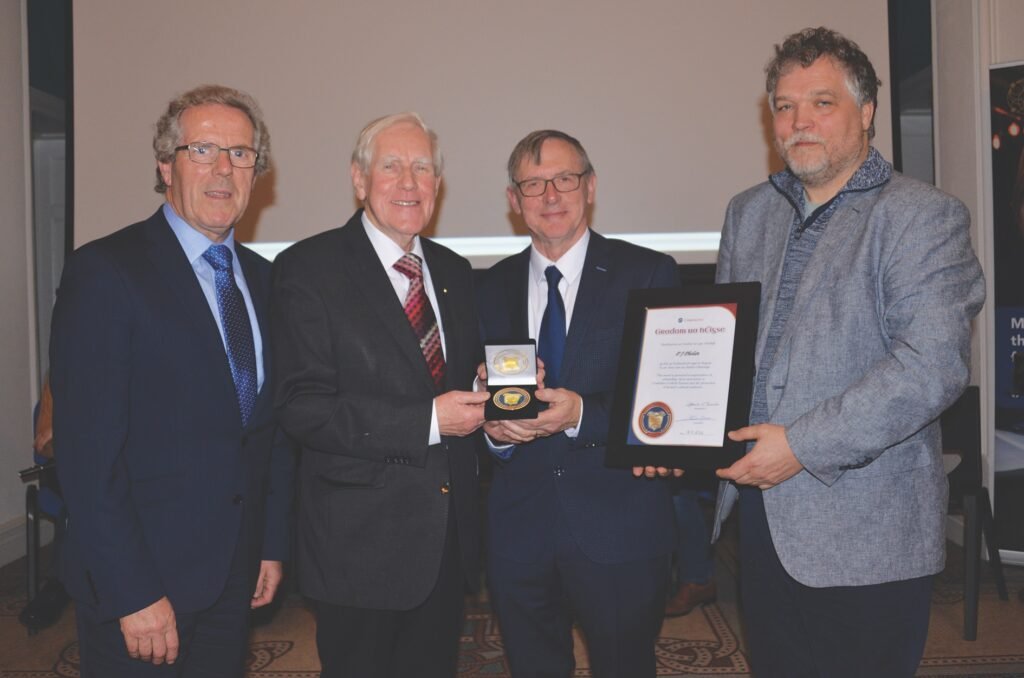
[623,448]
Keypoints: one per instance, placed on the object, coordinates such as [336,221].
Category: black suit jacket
[354,390]
[160,478]
[612,516]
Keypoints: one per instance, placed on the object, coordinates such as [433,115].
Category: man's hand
[151,634]
[459,413]
[271,573]
[43,443]
[768,463]
[656,471]
[507,431]
[541,373]
[563,413]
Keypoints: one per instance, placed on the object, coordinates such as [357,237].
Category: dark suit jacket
[613,516]
[354,390]
[160,478]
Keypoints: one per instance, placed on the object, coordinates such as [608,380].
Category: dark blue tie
[552,329]
[237,330]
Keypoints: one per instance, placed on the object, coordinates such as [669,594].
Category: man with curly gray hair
[869,285]
[176,479]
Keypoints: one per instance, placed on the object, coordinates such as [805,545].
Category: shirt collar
[570,265]
[192,241]
[387,249]
[873,172]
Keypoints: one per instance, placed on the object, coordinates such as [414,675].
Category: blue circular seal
[512,398]
[655,419]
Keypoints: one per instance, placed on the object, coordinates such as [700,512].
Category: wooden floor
[707,642]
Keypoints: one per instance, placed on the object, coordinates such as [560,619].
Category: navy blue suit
[555,495]
[166,490]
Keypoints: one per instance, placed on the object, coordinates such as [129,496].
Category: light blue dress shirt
[195,243]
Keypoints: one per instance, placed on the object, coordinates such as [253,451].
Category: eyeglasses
[563,183]
[206,153]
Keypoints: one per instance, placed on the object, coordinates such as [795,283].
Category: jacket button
[236,500]
[559,471]
[446,488]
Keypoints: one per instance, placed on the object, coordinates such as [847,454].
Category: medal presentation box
[685,376]
[511,380]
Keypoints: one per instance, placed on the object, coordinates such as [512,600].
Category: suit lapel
[373,284]
[260,301]
[590,296]
[776,232]
[517,299]
[179,279]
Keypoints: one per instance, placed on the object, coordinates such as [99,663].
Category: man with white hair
[378,347]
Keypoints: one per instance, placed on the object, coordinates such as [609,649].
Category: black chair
[41,502]
[961,435]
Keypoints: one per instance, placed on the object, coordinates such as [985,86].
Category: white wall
[667,96]
[17,357]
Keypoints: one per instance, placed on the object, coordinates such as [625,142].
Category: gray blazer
[876,347]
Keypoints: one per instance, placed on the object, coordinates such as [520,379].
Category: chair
[42,500]
[961,435]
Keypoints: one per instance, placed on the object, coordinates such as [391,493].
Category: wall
[667,95]
[969,38]
[17,357]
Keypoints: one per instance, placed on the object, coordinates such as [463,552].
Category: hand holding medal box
[511,380]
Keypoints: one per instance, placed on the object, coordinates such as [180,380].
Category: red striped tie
[421,317]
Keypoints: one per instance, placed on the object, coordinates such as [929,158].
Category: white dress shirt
[570,265]
[389,252]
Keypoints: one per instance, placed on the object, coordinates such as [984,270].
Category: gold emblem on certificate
[655,419]
[511,398]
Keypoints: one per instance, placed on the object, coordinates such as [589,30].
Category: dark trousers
[423,642]
[796,631]
[619,606]
[214,642]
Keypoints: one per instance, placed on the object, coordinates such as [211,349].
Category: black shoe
[44,610]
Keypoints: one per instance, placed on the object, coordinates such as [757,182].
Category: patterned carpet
[706,642]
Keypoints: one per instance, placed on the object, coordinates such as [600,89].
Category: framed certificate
[685,376]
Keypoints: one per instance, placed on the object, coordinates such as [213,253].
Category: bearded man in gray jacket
[869,284]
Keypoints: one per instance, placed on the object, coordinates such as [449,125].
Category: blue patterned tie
[237,330]
[552,329]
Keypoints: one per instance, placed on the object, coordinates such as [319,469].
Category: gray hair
[362,154]
[168,127]
[809,45]
[530,147]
